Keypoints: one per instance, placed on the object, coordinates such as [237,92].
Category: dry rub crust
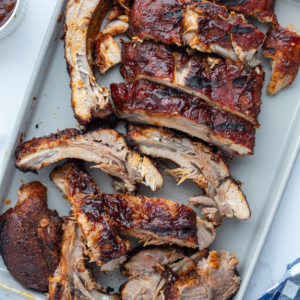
[30,234]
[222,84]
[83,20]
[261,9]
[282,46]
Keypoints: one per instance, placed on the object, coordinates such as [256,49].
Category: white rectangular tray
[264,175]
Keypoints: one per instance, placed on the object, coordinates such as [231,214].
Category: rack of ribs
[201,25]
[155,104]
[221,84]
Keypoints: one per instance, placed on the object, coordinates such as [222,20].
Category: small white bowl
[15,19]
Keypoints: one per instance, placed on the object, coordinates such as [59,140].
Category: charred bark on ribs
[30,236]
[159,221]
[154,104]
[221,84]
[263,10]
[201,25]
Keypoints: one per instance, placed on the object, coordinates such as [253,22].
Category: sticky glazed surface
[30,237]
[163,219]
[261,9]
[157,20]
[201,25]
[99,231]
[151,103]
[220,83]
[282,46]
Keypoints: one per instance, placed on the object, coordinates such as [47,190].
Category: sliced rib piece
[105,147]
[202,25]
[101,236]
[261,9]
[115,12]
[282,46]
[222,84]
[159,20]
[72,279]
[211,28]
[195,160]
[155,220]
[83,21]
[151,103]
[206,32]
[159,221]
[115,27]
[107,53]
[30,234]
[157,273]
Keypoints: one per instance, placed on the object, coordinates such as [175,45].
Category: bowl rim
[11,16]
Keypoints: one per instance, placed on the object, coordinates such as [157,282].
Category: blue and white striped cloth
[289,286]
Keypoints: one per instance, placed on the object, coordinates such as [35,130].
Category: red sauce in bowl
[6,9]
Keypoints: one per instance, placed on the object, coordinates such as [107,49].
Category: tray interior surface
[51,111]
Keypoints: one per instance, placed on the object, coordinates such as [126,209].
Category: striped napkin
[289,286]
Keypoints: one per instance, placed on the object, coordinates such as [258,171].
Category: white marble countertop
[18,53]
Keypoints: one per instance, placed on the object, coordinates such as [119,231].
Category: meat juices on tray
[222,84]
[155,104]
[105,147]
[30,236]
[171,273]
[282,46]
[105,247]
